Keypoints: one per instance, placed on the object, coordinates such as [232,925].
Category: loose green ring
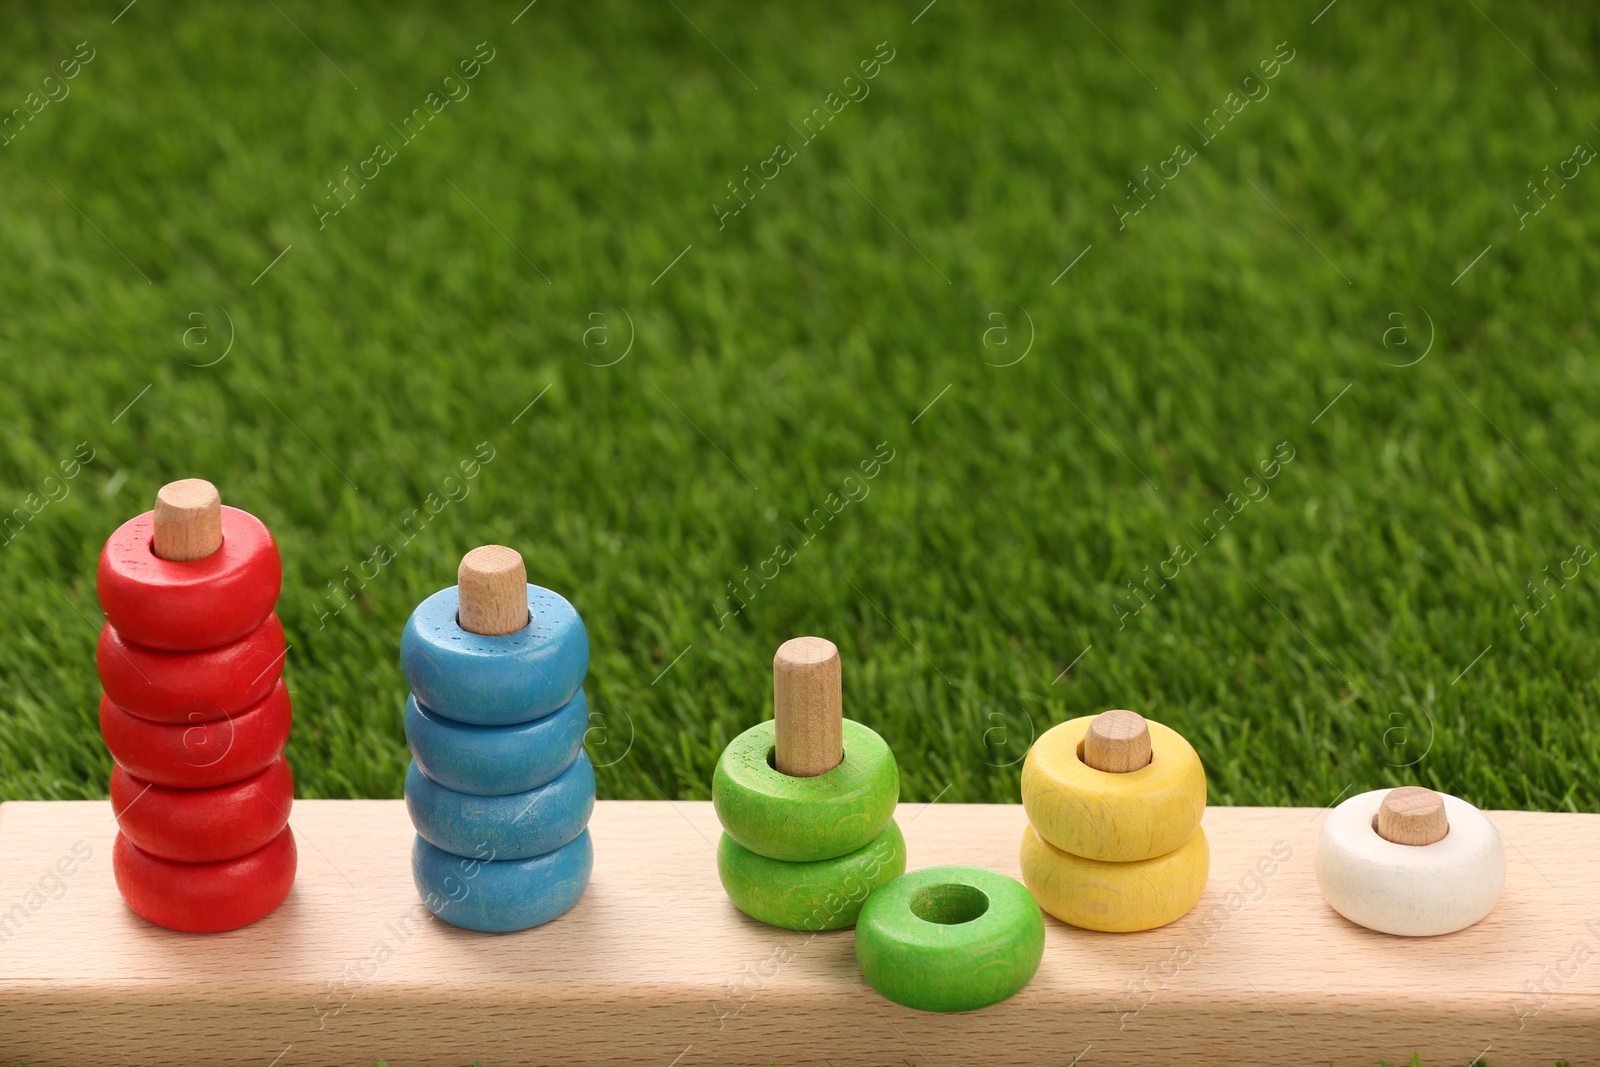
[822,895]
[805,819]
[950,939]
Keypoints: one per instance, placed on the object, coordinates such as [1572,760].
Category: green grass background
[1316,647]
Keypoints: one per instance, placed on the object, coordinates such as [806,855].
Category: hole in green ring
[949,904]
[772,758]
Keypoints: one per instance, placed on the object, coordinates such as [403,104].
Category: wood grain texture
[188,520]
[1117,742]
[656,966]
[494,591]
[1412,815]
[807,706]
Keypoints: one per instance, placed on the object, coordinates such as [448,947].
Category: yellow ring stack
[1114,840]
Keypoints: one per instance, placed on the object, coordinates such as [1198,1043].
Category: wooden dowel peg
[808,707]
[188,520]
[1412,815]
[1117,742]
[493,591]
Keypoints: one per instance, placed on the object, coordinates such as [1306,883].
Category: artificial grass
[1358,621]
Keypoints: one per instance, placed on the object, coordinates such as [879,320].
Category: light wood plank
[654,966]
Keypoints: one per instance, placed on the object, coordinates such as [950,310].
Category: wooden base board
[654,966]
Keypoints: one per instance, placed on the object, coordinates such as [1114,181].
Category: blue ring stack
[499,787]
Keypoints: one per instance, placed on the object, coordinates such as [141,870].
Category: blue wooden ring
[512,827]
[497,897]
[496,760]
[495,681]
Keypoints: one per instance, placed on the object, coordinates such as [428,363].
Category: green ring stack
[804,853]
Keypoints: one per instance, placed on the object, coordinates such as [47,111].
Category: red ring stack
[195,713]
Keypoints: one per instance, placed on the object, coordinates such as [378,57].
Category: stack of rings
[1114,851]
[499,788]
[1410,890]
[196,716]
[805,853]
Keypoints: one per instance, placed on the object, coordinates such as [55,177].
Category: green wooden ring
[950,939]
[824,895]
[803,820]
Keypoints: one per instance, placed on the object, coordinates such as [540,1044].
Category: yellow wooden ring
[1120,818]
[1116,897]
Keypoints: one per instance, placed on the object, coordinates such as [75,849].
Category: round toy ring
[205,898]
[191,687]
[805,819]
[494,681]
[500,896]
[1120,818]
[201,754]
[496,760]
[202,603]
[949,939]
[824,895]
[513,827]
[203,825]
[1411,890]
[1116,897]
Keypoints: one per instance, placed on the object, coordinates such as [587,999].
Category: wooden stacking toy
[499,788]
[195,713]
[1410,861]
[1114,805]
[807,802]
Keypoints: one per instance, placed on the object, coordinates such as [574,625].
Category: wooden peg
[1117,742]
[1412,815]
[188,520]
[493,591]
[808,706]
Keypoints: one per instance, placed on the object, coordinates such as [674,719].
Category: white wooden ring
[1410,890]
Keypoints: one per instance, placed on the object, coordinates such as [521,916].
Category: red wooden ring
[203,825]
[200,754]
[191,687]
[204,898]
[202,603]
